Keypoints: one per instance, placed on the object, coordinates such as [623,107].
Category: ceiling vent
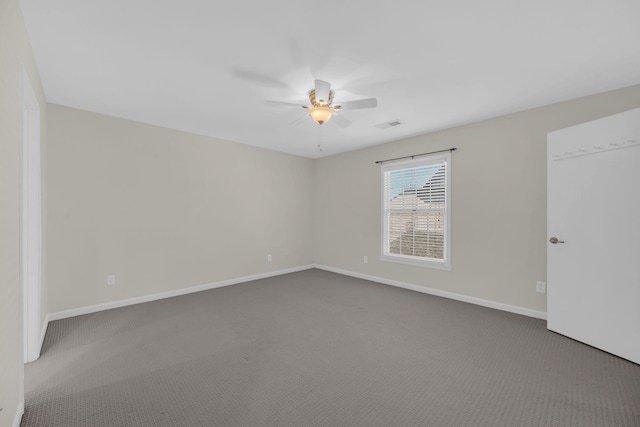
[390,124]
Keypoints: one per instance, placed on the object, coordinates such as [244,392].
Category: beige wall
[164,210]
[15,51]
[498,202]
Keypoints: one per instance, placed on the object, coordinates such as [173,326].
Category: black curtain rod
[417,155]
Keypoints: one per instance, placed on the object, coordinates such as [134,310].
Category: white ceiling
[209,66]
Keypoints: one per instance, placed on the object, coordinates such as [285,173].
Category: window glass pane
[415,210]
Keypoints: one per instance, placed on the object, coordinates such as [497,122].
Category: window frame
[408,259]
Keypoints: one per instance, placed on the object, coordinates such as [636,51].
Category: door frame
[30,222]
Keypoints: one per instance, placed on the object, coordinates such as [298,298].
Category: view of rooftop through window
[410,179]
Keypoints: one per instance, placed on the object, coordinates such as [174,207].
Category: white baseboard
[19,413]
[451,295]
[153,297]
[43,332]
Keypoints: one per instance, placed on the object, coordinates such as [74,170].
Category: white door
[593,209]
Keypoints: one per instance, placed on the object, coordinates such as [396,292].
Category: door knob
[555,240]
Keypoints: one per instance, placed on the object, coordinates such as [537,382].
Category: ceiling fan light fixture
[321,113]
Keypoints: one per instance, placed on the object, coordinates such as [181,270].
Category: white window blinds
[416,211]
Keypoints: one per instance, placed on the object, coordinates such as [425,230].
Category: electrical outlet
[111,280]
[541,287]
[366,259]
[269,258]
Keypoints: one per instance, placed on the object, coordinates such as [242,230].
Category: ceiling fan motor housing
[315,102]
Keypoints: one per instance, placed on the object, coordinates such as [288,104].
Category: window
[416,220]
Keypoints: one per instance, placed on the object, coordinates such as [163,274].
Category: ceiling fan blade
[360,103]
[341,121]
[299,120]
[322,91]
[286,104]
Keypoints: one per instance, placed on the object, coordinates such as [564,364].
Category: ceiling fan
[322,107]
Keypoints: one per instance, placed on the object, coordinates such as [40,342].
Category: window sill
[417,262]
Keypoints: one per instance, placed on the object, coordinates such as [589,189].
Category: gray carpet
[319,349]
